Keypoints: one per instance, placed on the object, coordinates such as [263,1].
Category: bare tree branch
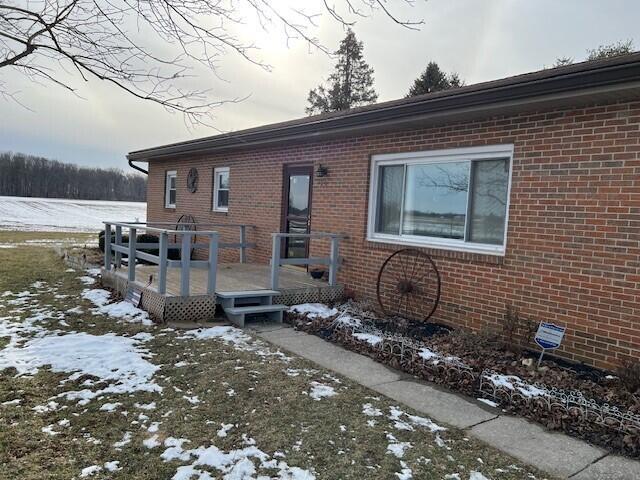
[125,42]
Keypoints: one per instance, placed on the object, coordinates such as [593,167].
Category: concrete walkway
[552,452]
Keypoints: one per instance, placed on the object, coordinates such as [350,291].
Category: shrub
[125,239]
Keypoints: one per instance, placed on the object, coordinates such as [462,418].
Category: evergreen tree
[603,51]
[433,79]
[351,83]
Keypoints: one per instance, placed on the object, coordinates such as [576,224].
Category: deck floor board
[231,277]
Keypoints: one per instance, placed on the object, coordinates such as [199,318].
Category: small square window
[170,189]
[221,189]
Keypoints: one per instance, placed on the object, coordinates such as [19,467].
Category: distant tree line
[30,176]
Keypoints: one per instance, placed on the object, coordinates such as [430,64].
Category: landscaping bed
[581,401]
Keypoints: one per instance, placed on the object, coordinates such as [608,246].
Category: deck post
[162,267]
[107,246]
[243,240]
[185,263]
[275,260]
[213,263]
[333,257]
[118,243]
[132,254]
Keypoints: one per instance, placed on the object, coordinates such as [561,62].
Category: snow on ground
[122,310]
[369,338]
[236,337]
[486,401]
[314,310]
[320,391]
[512,382]
[53,214]
[119,361]
[233,465]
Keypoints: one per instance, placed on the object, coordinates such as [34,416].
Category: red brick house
[525,191]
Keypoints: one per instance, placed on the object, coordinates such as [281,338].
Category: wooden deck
[231,277]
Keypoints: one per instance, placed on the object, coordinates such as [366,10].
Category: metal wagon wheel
[409,285]
[186,223]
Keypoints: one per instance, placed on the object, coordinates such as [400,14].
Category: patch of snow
[125,311]
[49,429]
[153,428]
[12,402]
[477,476]
[87,280]
[92,470]
[406,473]
[126,439]
[368,337]
[97,296]
[313,310]
[371,411]
[395,447]
[193,400]
[232,465]
[486,401]
[320,391]
[236,337]
[513,382]
[145,406]
[112,466]
[152,442]
[427,354]
[114,359]
[110,407]
[76,310]
[225,428]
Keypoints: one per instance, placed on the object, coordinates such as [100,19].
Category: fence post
[118,243]
[185,263]
[243,240]
[333,257]
[275,261]
[213,263]
[132,254]
[107,246]
[162,267]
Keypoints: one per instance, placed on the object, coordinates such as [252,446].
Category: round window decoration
[192,180]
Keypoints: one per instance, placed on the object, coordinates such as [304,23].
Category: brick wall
[573,253]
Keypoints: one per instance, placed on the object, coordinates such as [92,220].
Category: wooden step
[255,309]
[237,315]
[248,293]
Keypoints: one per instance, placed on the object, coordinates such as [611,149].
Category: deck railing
[114,251]
[333,260]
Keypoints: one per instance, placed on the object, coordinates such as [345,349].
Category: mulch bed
[480,353]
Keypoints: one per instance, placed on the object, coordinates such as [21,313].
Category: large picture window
[455,199]
[221,189]
[170,189]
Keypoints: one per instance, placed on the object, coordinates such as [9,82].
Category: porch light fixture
[322,171]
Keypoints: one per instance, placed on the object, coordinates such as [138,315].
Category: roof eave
[573,84]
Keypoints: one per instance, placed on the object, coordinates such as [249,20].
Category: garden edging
[553,452]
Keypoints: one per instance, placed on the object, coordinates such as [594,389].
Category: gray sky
[481,40]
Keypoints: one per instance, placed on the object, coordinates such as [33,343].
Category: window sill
[170,207]
[220,210]
[459,252]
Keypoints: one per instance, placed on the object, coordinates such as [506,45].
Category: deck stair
[243,305]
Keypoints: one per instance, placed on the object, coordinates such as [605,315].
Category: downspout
[135,167]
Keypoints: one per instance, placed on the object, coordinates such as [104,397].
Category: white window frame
[437,156]
[216,186]
[167,188]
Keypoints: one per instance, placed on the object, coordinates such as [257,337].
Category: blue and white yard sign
[549,335]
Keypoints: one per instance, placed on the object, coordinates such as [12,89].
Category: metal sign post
[548,337]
